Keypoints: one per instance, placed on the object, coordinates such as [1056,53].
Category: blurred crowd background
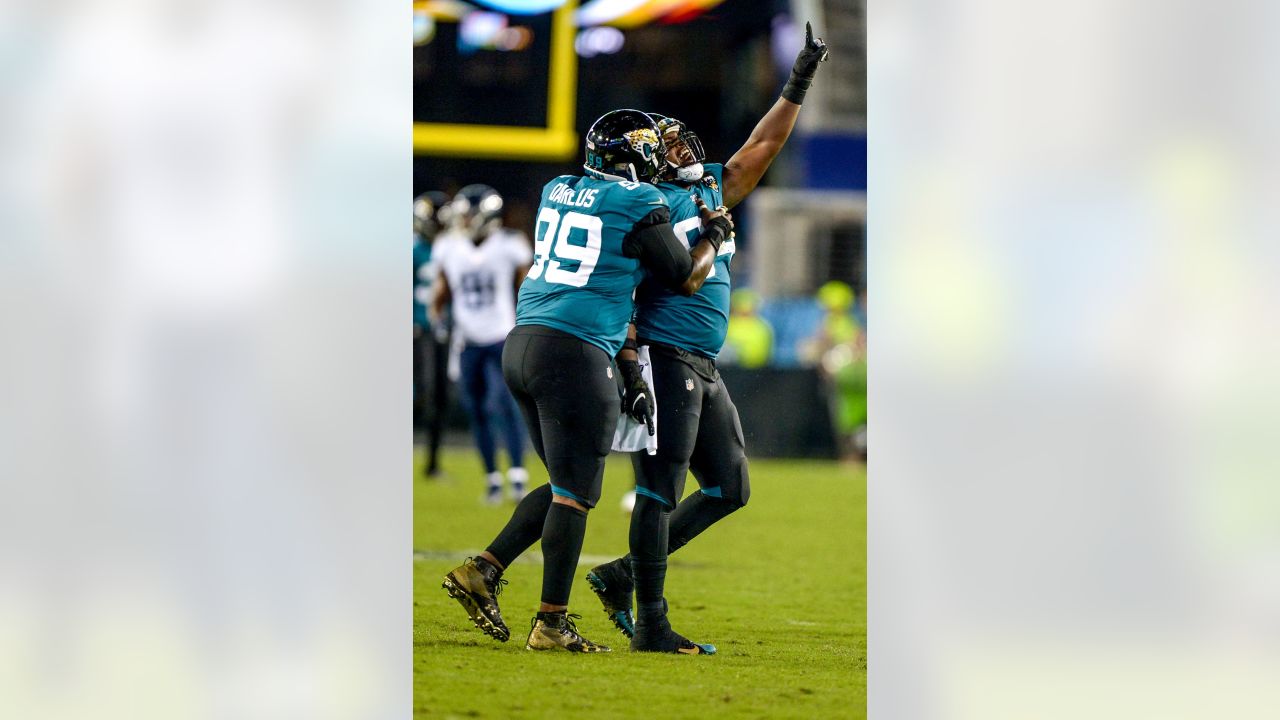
[548,69]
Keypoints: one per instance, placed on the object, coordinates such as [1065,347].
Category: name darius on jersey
[563,194]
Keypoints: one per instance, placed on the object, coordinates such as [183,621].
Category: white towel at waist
[630,435]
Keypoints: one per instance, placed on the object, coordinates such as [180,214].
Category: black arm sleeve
[655,244]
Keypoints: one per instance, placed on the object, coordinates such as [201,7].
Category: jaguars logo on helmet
[643,141]
[625,145]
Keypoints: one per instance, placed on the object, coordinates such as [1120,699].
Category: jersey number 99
[548,242]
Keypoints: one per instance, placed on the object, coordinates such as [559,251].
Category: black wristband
[630,344]
[716,233]
[796,87]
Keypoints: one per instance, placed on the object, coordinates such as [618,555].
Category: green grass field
[779,587]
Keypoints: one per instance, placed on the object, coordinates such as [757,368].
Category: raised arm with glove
[743,171]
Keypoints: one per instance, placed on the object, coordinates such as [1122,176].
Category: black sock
[622,566]
[524,528]
[653,615]
[487,567]
[649,555]
[561,545]
[693,515]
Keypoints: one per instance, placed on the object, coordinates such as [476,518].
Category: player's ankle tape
[651,610]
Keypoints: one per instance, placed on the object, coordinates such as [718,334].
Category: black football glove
[637,399]
[813,52]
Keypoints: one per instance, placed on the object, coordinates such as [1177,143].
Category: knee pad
[735,485]
[744,490]
[648,533]
[646,493]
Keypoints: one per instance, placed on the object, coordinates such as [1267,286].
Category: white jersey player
[482,278]
[480,266]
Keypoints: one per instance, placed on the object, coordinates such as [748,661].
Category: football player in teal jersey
[698,426]
[430,343]
[596,236]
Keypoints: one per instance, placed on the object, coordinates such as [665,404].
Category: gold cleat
[475,584]
[551,631]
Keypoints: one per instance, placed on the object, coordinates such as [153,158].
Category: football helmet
[476,210]
[430,213]
[625,145]
[678,139]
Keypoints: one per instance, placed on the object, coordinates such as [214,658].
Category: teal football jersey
[421,281]
[697,323]
[580,281]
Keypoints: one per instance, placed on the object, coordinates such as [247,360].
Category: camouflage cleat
[551,631]
[612,583]
[475,584]
[659,637]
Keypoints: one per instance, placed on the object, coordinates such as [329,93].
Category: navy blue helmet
[476,210]
[430,213]
[625,145]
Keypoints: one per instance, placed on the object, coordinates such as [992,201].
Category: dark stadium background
[720,72]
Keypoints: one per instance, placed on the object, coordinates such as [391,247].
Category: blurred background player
[481,266]
[749,340]
[430,342]
[839,350]
[596,236]
[697,424]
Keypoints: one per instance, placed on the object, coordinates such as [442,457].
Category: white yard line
[529,558]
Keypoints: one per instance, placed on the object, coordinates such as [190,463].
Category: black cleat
[657,636]
[475,584]
[612,583]
[556,631]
